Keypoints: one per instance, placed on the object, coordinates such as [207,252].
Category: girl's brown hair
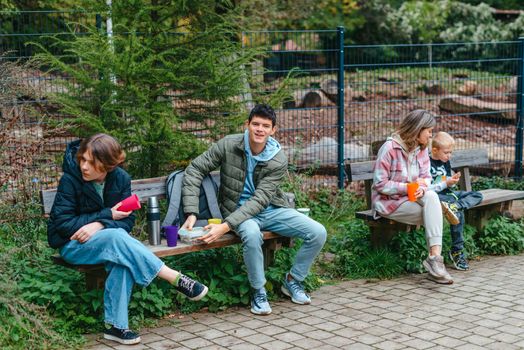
[106,151]
[413,124]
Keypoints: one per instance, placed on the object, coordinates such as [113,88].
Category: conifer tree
[168,65]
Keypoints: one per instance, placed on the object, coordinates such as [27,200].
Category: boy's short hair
[442,139]
[264,111]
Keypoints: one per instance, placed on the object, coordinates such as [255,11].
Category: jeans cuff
[150,279]
[114,324]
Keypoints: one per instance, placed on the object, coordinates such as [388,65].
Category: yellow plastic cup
[214,221]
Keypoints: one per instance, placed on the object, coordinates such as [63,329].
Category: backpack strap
[211,196]
[175,194]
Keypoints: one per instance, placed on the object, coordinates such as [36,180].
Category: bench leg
[95,279]
[479,217]
[270,247]
[382,233]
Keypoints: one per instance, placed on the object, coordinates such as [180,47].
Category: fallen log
[457,104]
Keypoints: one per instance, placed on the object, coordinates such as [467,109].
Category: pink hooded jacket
[394,168]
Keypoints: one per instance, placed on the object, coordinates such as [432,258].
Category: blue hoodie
[270,150]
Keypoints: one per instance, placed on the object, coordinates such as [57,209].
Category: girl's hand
[119,215]
[85,232]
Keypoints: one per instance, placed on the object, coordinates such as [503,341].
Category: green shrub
[411,249]
[355,258]
[484,183]
[501,236]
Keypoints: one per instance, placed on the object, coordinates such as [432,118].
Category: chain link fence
[336,102]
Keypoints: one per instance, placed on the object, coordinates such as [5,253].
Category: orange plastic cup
[412,188]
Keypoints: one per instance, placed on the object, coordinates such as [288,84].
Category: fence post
[98,18]
[520,111]
[340,103]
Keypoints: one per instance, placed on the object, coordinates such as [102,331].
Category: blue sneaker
[259,303]
[295,291]
[459,260]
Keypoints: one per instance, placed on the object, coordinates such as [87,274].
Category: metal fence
[475,89]
[338,100]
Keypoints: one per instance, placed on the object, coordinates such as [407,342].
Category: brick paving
[483,309]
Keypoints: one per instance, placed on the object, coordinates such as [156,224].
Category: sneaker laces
[260,297]
[296,287]
[186,283]
[126,331]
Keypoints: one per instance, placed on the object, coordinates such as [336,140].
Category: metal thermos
[153,221]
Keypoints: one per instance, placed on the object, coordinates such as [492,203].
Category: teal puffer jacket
[228,154]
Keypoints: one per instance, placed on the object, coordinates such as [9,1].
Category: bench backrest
[144,188]
[461,161]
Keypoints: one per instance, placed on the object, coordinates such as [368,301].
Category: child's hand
[452,181]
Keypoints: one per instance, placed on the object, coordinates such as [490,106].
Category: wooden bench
[495,200]
[155,187]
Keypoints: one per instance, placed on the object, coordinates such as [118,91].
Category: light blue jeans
[286,222]
[127,261]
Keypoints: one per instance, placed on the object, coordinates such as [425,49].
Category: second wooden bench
[495,200]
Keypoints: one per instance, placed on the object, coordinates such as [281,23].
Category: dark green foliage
[27,322]
[484,183]
[411,249]
[355,258]
[501,237]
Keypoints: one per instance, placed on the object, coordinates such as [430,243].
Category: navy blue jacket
[77,203]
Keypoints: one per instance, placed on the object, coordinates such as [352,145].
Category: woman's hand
[419,193]
[422,186]
[85,232]
[119,215]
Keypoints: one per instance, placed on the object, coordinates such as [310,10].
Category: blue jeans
[127,261]
[286,222]
[464,200]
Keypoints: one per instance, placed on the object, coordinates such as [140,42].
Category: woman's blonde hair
[413,124]
[106,151]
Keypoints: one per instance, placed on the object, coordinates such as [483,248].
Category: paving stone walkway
[484,309]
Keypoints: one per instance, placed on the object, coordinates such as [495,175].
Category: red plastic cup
[130,203]
[412,188]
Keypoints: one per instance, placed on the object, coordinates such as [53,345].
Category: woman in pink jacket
[404,158]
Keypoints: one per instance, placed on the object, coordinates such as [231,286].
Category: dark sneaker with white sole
[122,336]
[191,288]
[459,260]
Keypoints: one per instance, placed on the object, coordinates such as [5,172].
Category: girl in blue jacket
[87,227]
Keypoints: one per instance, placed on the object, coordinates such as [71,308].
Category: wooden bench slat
[469,157]
[183,248]
[143,188]
[490,196]
[461,158]
[494,196]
